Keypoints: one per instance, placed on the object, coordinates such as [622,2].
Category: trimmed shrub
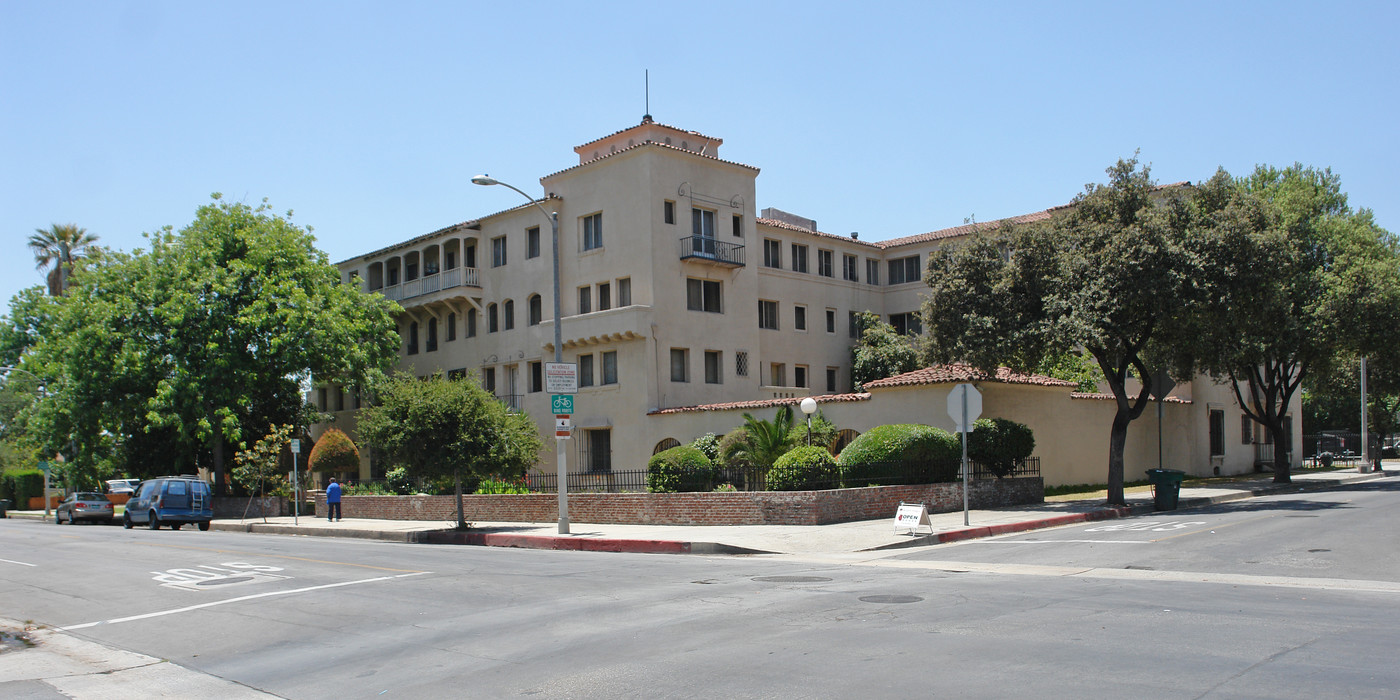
[709,444]
[334,452]
[901,454]
[681,468]
[999,444]
[803,468]
[20,485]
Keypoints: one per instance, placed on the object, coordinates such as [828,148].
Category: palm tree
[766,440]
[60,245]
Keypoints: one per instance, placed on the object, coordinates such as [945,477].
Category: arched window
[664,445]
[413,338]
[492,318]
[510,314]
[471,323]
[451,326]
[432,335]
[536,310]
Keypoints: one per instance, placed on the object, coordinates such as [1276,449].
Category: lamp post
[563,477]
[809,406]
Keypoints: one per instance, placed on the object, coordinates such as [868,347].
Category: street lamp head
[485,180]
[809,405]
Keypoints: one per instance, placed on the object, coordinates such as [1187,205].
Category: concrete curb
[581,544]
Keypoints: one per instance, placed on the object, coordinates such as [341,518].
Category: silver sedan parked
[84,505]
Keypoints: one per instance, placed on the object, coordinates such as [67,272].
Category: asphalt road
[1279,597]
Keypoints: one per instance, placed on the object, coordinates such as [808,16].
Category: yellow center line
[282,556]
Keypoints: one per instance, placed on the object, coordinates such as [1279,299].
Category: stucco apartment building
[683,305]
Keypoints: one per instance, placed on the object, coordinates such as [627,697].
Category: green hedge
[901,454]
[20,485]
[803,468]
[681,468]
[998,444]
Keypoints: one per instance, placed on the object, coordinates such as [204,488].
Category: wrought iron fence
[756,478]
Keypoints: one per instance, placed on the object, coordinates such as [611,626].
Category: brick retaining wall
[734,508]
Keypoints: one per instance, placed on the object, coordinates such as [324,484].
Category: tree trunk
[1283,469]
[461,515]
[1117,438]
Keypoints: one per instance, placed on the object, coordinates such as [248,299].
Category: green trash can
[1166,487]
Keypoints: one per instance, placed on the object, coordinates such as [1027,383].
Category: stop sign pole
[964,406]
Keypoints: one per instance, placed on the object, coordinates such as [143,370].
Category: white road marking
[239,599]
[1062,541]
[9,561]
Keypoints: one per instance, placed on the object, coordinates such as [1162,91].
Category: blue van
[170,500]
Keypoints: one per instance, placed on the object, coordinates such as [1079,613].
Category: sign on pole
[562,427]
[562,404]
[296,447]
[561,377]
[955,406]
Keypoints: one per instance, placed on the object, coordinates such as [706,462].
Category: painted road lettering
[1154,526]
[208,576]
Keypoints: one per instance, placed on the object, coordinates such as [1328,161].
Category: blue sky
[891,119]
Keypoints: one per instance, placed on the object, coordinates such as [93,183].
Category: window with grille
[599,457]
[741,363]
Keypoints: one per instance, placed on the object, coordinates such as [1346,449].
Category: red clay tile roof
[649,122]
[960,372]
[761,403]
[646,144]
[1109,397]
[774,223]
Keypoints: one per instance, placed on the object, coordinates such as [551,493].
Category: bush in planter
[901,454]
[803,468]
[999,444]
[681,468]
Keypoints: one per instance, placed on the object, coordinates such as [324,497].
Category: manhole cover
[222,581]
[1314,551]
[792,579]
[890,599]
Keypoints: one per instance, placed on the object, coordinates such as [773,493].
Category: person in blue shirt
[333,501]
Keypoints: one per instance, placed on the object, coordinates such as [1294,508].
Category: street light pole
[560,460]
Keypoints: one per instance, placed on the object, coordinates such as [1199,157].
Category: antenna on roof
[646,76]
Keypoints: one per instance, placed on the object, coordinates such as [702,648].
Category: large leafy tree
[438,427]
[1109,275]
[1298,286]
[60,245]
[880,351]
[176,353]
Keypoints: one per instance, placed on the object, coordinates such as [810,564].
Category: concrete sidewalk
[838,538]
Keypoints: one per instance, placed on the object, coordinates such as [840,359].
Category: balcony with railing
[707,249]
[436,282]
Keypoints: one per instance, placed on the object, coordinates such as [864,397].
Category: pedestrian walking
[333,501]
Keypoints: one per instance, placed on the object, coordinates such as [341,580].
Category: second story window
[799,258]
[824,263]
[904,270]
[872,271]
[604,296]
[498,251]
[585,300]
[668,211]
[593,231]
[772,253]
[702,223]
[768,314]
[848,268]
[532,242]
[703,295]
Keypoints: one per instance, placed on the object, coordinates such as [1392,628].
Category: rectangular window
[593,231]
[1246,429]
[853,320]
[532,242]
[340,398]
[713,361]
[702,223]
[777,374]
[668,211]
[824,263]
[831,320]
[680,365]
[488,379]
[904,270]
[604,296]
[599,457]
[585,300]
[907,323]
[738,220]
[741,363]
[872,271]
[321,398]
[848,268]
[610,367]
[1217,433]
[585,370]
[451,326]
[799,317]
[536,377]
[772,253]
[498,251]
[768,314]
[703,295]
[831,380]
[799,258]
[624,291]
[799,376]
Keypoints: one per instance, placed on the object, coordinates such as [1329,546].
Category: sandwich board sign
[911,517]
